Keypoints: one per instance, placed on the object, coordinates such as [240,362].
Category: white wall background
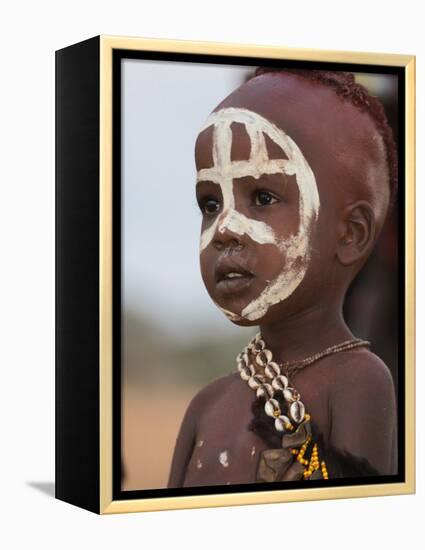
[29,34]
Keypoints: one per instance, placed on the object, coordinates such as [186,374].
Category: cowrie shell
[245,373]
[280,422]
[297,411]
[272,370]
[255,381]
[271,407]
[290,394]
[265,390]
[241,364]
[260,345]
[280,382]
[263,357]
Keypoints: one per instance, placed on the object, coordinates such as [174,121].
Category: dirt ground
[151,420]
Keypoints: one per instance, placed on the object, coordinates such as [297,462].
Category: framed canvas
[234,274]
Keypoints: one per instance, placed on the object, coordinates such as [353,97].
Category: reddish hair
[344,85]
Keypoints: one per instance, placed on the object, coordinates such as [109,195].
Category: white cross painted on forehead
[258,164]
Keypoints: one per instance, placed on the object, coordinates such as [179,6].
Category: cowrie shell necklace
[267,378]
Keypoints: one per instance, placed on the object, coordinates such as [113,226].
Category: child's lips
[232,276]
[231,285]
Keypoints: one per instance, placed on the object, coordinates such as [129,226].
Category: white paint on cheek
[224,459]
[207,236]
[200,443]
[297,256]
[199,464]
[229,314]
[240,224]
[295,249]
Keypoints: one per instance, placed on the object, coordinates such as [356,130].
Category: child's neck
[306,333]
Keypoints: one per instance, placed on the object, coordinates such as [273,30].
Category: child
[296,173]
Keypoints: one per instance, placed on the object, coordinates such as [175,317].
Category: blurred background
[174,339]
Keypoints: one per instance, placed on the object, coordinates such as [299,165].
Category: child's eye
[264,198]
[209,205]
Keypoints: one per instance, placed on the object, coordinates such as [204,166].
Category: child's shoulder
[362,406]
[362,376]
[360,366]
[214,390]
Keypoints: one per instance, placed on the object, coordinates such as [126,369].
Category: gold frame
[107,504]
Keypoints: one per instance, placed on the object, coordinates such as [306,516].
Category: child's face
[260,203]
[267,241]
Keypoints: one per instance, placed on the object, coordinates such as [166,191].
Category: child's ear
[357,233]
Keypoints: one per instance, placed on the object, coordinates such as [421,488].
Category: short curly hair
[345,85]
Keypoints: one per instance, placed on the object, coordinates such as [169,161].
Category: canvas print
[259,273]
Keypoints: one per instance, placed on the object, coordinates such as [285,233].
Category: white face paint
[296,248]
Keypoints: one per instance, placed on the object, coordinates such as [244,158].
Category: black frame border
[118,56]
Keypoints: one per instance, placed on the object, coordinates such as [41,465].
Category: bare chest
[226,451]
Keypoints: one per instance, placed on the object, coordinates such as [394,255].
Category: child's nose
[226,234]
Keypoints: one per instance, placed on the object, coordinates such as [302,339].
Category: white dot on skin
[200,442]
[253,451]
[199,464]
[223,459]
